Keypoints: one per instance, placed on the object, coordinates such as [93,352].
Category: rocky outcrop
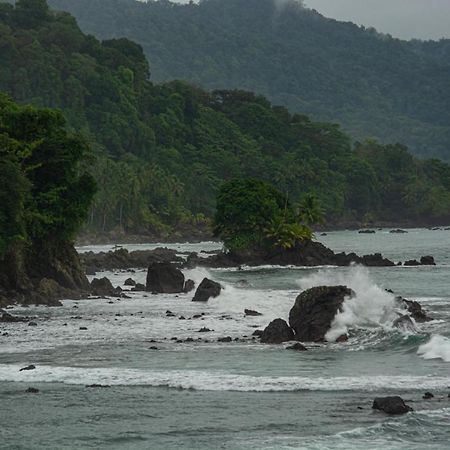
[391,405]
[308,253]
[207,289]
[314,311]
[251,312]
[277,332]
[164,278]
[123,259]
[42,273]
[427,261]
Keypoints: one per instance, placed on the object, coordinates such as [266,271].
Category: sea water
[241,394]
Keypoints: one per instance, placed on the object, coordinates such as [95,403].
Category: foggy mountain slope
[372,84]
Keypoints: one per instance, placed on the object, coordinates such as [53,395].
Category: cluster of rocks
[314,310]
[123,259]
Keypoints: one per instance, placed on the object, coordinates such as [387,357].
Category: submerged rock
[277,332]
[9,318]
[405,323]
[30,367]
[32,390]
[391,405]
[298,347]
[206,290]
[315,309]
[164,278]
[428,396]
[251,312]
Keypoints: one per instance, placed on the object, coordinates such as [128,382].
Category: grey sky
[406,19]
[421,19]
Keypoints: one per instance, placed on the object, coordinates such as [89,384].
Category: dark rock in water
[412,262]
[314,311]
[427,261]
[30,367]
[153,348]
[342,338]
[415,309]
[83,328]
[251,312]
[298,347]
[398,231]
[428,396]
[277,332]
[8,318]
[225,339]
[164,278]
[123,259]
[32,324]
[129,282]
[376,260]
[139,287]
[98,385]
[258,333]
[102,287]
[405,323]
[32,390]
[391,405]
[207,289]
[204,330]
[189,286]
[366,231]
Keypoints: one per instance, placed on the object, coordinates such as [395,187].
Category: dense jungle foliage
[162,151]
[45,194]
[373,85]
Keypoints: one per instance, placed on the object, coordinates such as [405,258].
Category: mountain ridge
[372,84]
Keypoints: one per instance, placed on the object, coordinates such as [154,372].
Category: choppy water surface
[238,395]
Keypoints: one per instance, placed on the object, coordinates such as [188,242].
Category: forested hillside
[161,151]
[373,85]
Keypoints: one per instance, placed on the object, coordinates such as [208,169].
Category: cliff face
[43,274]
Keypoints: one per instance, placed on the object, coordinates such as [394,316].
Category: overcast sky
[406,19]
[421,19]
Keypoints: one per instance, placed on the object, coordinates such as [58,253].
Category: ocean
[161,392]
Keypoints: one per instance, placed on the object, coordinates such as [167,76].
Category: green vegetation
[253,215]
[45,194]
[374,85]
[160,153]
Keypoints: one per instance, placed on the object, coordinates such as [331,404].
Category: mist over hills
[372,84]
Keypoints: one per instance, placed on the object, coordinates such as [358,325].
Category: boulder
[30,367]
[366,231]
[32,390]
[314,311]
[376,260]
[102,287]
[206,290]
[129,282]
[251,312]
[277,332]
[225,339]
[398,231]
[164,278]
[189,286]
[391,405]
[428,396]
[427,261]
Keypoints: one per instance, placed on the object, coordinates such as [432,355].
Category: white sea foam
[213,380]
[438,347]
[371,307]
